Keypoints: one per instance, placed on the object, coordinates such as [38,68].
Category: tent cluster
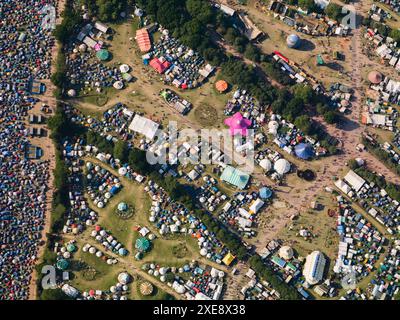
[25,54]
[205,282]
[180,65]
[172,218]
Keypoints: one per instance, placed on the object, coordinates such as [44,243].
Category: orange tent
[143,40]
[221,85]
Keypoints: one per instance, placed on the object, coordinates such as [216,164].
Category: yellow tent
[227,260]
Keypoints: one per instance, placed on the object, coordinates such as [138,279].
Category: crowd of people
[24,55]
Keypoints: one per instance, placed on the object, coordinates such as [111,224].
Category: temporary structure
[103,54]
[293,41]
[265,193]
[119,85]
[124,278]
[286,252]
[124,68]
[266,164]
[122,206]
[375,77]
[144,126]
[142,244]
[221,86]
[238,124]
[159,65]
[282,166]
[146,288]
[304,151]
[143,40]
[235,177]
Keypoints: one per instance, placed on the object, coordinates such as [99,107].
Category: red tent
[159,66]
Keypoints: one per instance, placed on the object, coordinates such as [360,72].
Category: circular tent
[71,247]
[124,68]
[103,55]
[118,85]
[293,41]
[282,166]
[286,252]
[71,93]
[122,171]
[146,288]
[124,278]
[266,164]
[304,151]
[142,244]
[122,206]
[62,264]
[221,86]
[375,77]
[265,193]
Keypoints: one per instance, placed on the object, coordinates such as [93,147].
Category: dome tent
[375,77]
[293,41]
[119,85]
[142,244]
[286,252]
[265,193]
[71,247]
[124,278]
[62,264]
[103,55]
[71,93]
[221,86]
[146,288]
[304,151]
[266,164]
[282,166]
[122,206]
[124,68]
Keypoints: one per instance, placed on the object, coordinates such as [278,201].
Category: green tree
[333,11]
[121,151]
[303,122]
[303,92]
[307,5]
[331,117]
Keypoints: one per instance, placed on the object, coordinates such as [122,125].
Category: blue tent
[304,151]
[265,193]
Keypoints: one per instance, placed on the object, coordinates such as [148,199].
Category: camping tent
[103,55]
[375,77]
[221,86]
[282,166]
[304,151]
[293,41]
[266,164]
[142,244]
[265,193]
[159,65]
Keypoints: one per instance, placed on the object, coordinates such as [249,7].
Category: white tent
[286,252]
[124,68]
[354,180]
[256,206]
[266,164]
[144,126]
[118,85]
[282,166]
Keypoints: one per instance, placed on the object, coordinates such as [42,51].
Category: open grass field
[320,224]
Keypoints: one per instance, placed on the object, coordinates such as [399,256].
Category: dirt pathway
[49,150]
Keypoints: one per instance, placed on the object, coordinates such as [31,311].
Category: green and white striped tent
[235,177]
